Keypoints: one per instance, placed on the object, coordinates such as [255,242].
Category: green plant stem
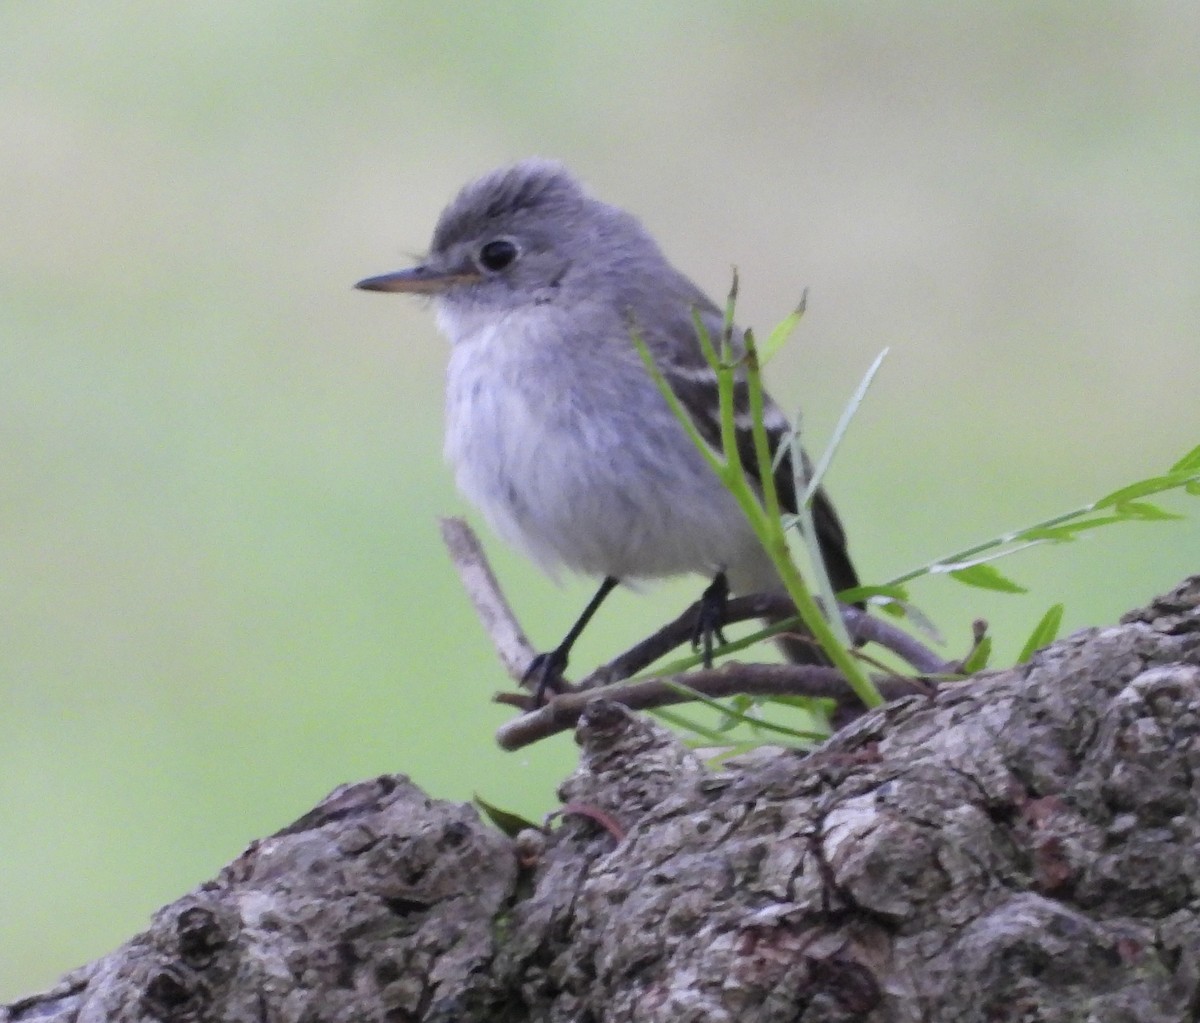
[952,561]
[768,528]
[768,524]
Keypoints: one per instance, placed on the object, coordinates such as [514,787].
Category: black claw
[710,617]
[545,671]
[545,675]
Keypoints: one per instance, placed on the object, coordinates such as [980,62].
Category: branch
[861,626]
[491,607]
[563,711]
[502,627]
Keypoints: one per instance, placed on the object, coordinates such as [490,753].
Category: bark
[1024,845]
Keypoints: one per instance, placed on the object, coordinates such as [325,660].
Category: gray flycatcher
[556,431]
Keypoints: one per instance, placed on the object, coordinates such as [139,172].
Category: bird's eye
[496,255]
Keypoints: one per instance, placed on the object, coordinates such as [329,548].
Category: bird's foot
[545,675]
[710,617]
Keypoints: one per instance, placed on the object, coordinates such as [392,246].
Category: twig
[499,622]
[861,626]
[562,712]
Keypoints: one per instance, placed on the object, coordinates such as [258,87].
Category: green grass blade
[1066,533]
[843,424]
[1147,511]
[727,319]
[1045,632]
[710,456]
[1188,464]
[986,577]
[686,724]
[743,718]
[858,594]
[782,332]
[1143,488]
[979,657]
[1184,475]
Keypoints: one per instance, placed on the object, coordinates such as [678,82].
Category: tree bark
[1024,845]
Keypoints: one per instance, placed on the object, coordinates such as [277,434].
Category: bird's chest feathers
[572,454]
[521,428]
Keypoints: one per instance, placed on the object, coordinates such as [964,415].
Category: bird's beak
[418,280]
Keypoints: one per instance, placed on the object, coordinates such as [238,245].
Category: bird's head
[523,235]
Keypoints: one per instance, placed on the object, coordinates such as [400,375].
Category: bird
[555,429]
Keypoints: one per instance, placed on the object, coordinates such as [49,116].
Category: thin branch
[491,607]
[861,626]
[562,713]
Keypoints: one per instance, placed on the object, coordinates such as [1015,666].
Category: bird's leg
[710,616]
[545,671]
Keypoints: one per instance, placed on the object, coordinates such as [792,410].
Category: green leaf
[987,577]
[1189,462]
[1046,631]
[1192,487]
[1146,510]
[1055,534]
[508,822]
[857,594]
[781,332]
[1065,533]
[723,708]
[1154,485]
[672,399]
[727,319]
[700,735]
[734,712]
[705,338]
[979,657]
[821,707]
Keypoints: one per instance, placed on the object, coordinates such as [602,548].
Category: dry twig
[562,712]
[497,618]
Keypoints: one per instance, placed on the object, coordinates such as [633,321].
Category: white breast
[571,454]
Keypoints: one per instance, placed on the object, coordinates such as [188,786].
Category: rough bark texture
[1023,846]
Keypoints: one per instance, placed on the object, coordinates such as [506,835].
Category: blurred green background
[221,586]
